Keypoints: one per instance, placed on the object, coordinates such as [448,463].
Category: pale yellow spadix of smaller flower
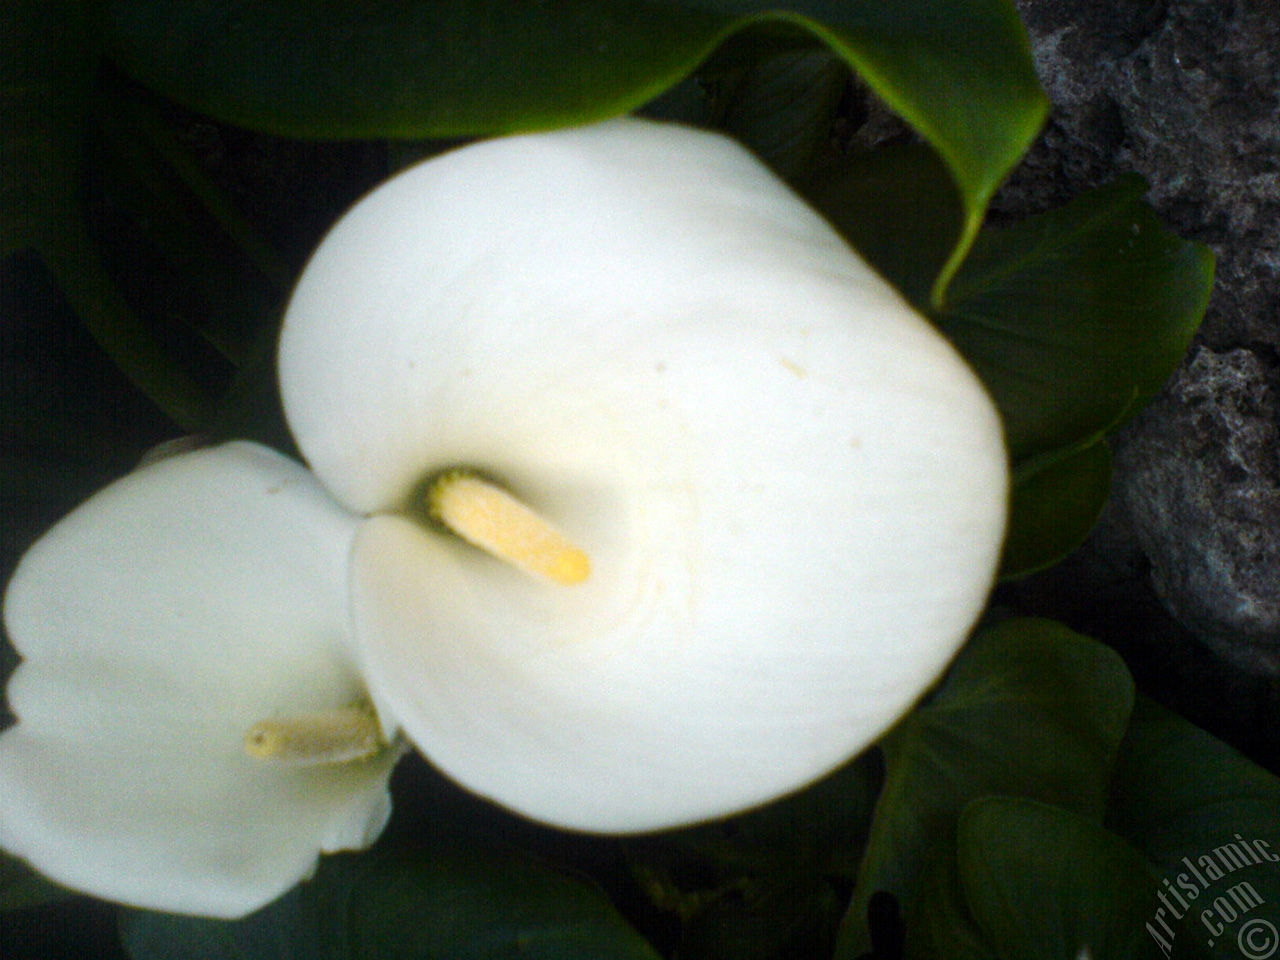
[192,728]
[788,492]
[340,735]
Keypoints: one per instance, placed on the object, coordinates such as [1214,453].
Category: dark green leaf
[338,70]
[468,902]
[1054,510]
[765,921]
[169,252]
[815,831]
[92,292]
[899,207]
[1075,318]
[306,923]
[449,901]
[49,60]
[1208,817]
[1178,789]
[146,122]
[22,887]
[251,408]
[764,884]
[1029,709]
[958,70]
[46,64]
[782,107]
[1045,882]
[942,925]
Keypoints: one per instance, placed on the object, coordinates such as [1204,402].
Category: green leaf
[1029,709]
[299,924]
[337,70]
[1053,510]
[959,71]
[813,831]
[468,902]
[22,887]
[76,262]
[782,107]
[49,58]
[1075,318]
[765,921]
[1178,788]
[45,69]
[1045,882]
[944,927]
[1207,816]
[899,208]
[201,286]
[148,124]
[251,408]
[765,884]
[454,901]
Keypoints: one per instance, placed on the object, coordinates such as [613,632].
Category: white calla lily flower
[187,696]
[725,504]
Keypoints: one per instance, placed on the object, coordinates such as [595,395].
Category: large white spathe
[791,489]
[159,623]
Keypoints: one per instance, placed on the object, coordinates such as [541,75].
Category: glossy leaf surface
[1054,510]
[1076,317]
[958,70]
[1208,818]
[1044,882]
[444,902]
[1029,709]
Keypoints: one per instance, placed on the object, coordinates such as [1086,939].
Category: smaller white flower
[192,731]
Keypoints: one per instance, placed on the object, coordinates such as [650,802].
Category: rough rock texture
[1199,476]
[1187,93]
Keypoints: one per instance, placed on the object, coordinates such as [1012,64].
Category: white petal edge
[157,623]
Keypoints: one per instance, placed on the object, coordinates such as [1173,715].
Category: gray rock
[1187,93]
[1199,480]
